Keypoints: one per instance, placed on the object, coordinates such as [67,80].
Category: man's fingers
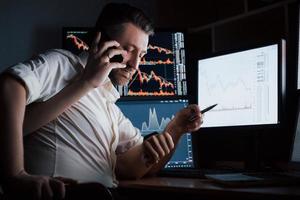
[169,140]
[35,190]
[151,152]
[58,188]
[95,43]
[194,126]
[195,113]
[113,52]
[156,143]
[159,146]
[105,46]
[194,108]
[66,181]
[117,65]
[163,143]
[46,190]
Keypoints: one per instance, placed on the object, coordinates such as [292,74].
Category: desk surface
[197,187]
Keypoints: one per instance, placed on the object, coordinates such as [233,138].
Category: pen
[208,108]
[193,117]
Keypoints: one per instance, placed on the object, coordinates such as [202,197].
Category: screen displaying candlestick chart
[162,71]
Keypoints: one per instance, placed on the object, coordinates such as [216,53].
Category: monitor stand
[253,156]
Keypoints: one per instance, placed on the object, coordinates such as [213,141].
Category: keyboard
[254,179]
[193,173]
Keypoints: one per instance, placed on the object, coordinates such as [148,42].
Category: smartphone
[117,58]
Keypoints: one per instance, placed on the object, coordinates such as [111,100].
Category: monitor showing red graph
[162,71]
[75,39]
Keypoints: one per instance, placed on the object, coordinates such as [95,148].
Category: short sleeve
[129,136]
[31,73]
[45,74]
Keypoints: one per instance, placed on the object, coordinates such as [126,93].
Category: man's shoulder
[60,53]
[62,58]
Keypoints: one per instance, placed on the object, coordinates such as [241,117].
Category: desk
[185,188]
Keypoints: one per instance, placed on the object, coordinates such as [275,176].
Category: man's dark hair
[115,14]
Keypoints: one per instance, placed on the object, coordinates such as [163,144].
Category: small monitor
[246,85]
[153,116]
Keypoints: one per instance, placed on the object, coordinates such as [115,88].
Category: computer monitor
[161,72]
[158,90]
[248,85]
[153,116]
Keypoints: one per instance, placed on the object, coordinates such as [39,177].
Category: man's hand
[98,65]
[188,119]
[157,147]
[27,186]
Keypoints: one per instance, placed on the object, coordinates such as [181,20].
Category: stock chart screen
[162,70]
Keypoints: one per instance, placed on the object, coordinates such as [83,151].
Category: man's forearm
[36,117]
[12,108]
[131,164]
[176,135]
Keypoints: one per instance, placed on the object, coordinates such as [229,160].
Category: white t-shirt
[82,143]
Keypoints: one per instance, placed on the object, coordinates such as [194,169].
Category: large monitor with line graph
[248,86]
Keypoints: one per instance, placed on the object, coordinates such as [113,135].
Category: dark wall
[29,27]
[216,26]
[253,27]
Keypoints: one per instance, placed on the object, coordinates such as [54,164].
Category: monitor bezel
[297,40]
[281,90]
[296,164]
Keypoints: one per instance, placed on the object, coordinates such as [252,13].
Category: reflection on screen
[243,84]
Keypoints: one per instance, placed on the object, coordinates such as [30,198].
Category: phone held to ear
[117,58]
